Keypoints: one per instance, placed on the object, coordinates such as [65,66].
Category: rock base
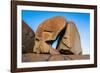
[31,57]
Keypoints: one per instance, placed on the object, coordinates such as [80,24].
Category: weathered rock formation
[70,43]
[46,33]
[27,38]
[38,46]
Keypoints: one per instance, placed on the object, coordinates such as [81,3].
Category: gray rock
[56,58]
[31,57]
[28,37]
[77,57]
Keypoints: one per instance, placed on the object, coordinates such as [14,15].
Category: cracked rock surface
[31,57]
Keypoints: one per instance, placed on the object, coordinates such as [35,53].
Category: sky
[82,21]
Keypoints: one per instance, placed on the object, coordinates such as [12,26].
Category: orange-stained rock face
[50,28]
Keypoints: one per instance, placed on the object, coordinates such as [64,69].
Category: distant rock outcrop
[27,38]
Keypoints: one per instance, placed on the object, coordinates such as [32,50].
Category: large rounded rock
[48,32]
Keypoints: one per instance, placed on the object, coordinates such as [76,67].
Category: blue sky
[82,21]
